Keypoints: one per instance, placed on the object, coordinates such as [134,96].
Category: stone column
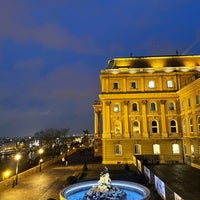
[106,120]
[96,123]
[126,122]
[144,116]
[163,118]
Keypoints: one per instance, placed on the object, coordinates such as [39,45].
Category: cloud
[31,64]
[47,34]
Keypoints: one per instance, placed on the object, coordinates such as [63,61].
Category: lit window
[118,149]
[115,85]
[137,149]
[118,127]
[154,126]
[153,107]
[198,123]
[191,125]
[169,83]
[171,106]
[156,149]
[151,84]
[136,127]
[175,149]
[173,126]
[116,107]
[135,107]
[192,148]
[133,85]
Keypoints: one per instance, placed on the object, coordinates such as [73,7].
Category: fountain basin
[133,190]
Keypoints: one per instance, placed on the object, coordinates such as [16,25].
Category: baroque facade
[149,107]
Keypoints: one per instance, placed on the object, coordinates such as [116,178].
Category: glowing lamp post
[6,174]
[40,151]
[17,158]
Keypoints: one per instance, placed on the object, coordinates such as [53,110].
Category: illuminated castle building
[149,107]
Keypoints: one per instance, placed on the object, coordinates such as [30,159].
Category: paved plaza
[47,184]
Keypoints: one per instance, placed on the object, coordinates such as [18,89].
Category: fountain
[105,190]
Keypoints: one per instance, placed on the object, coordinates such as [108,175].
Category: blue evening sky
[52,51]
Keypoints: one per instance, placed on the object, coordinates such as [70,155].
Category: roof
[189,61]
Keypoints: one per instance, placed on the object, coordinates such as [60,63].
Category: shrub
[71,180]
[84,167]
[127,167]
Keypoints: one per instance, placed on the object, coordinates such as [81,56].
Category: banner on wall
[134,161]
[147,173]
[139,165]
[160,187]
[177,197]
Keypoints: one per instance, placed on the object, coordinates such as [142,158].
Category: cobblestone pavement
[48,183]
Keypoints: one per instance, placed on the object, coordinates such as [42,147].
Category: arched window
[154,126]
[171,106]
[118,149]
[152,106]
[136,127]
[134,107]
[173,127]
[117,127]
[175,149]
[156,149]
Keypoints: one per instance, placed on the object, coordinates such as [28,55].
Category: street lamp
[17,158]
[40,151]
[6,174]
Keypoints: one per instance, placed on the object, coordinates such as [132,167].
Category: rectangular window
[185,149]
[137,149]
[151,84]
[198,124]
[133,85]
[192,148]
[189,103]
[171,106]
[118,149]
[115,85]
[197,99]
[116,107]
[175,149]
[169,83]
[191,126]
[156,149]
